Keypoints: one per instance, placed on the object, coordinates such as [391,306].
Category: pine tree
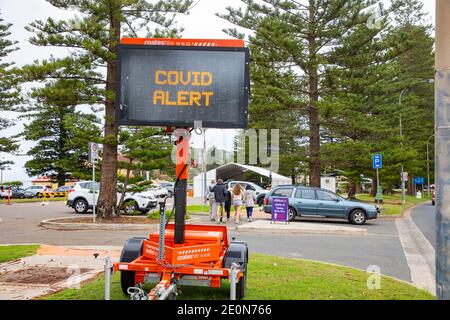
[9,91]
[362,113]
[146,149]
[310,35]
[93,34]
[62,133]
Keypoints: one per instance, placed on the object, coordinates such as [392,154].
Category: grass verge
[14,252]
[392,204]
[275,278]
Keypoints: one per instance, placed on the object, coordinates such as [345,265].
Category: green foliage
[92,35]
[9,90]
[62,133]
[292,46]
[324,71]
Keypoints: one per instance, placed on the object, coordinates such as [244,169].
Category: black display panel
[176,86]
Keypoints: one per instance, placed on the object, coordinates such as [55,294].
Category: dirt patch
[116,220]
[41,275]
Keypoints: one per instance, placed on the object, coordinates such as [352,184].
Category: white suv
[81,199]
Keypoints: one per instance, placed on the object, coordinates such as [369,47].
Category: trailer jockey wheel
[131,250]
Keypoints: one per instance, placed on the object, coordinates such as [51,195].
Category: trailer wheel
[132,249]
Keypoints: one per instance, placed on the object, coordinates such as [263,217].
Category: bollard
[107,278]
[9,196]
[233,280]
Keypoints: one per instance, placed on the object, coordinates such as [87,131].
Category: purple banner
[280,209]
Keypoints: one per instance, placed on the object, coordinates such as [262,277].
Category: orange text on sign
[183,97]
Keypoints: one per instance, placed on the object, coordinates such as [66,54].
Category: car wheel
[21,196]
[80,206]
[130,207]
[358,217]
[291,214]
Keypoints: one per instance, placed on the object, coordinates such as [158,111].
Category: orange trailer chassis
[198,262]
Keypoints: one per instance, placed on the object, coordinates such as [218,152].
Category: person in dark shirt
[228,203]
[220,193]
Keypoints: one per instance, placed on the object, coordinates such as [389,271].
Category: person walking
[228,202]
[211,200]
[220,193]
[249,199]
[237,196]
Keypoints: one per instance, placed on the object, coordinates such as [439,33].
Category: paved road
[380,247]
[425,218]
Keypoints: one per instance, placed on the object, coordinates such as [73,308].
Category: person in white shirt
[211,200]
[249,200]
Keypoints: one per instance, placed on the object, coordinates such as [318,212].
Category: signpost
[280,207]
[93,158]
[377,163]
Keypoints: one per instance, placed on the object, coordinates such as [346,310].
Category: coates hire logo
[184,42]
[193,254]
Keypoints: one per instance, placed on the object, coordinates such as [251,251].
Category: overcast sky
[200,23]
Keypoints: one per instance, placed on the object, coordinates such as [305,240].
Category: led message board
[178,85]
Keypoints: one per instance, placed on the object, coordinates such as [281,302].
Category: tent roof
[231,167]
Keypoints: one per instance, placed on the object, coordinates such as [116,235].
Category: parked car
[169,186]
[21,193]
[4,192]
[38,190]
[316,202]
[157,191]
[260,192]
[81,199]
[64,189]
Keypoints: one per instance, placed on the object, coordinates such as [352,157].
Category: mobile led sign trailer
[177,82]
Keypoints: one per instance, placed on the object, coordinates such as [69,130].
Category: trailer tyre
[132,249]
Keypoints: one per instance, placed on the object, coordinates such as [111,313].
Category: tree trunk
[351,189]
[125,186]
[313,112]
[107,202]
[373,188]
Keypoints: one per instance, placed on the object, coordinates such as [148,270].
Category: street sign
[93,152]
[280,208]
[419,180]
[377,161]
[176,86]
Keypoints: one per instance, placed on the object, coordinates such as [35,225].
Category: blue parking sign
[377,161]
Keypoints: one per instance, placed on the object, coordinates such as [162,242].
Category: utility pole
[401,136]
[204,185]
[442,149]
[428,164]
